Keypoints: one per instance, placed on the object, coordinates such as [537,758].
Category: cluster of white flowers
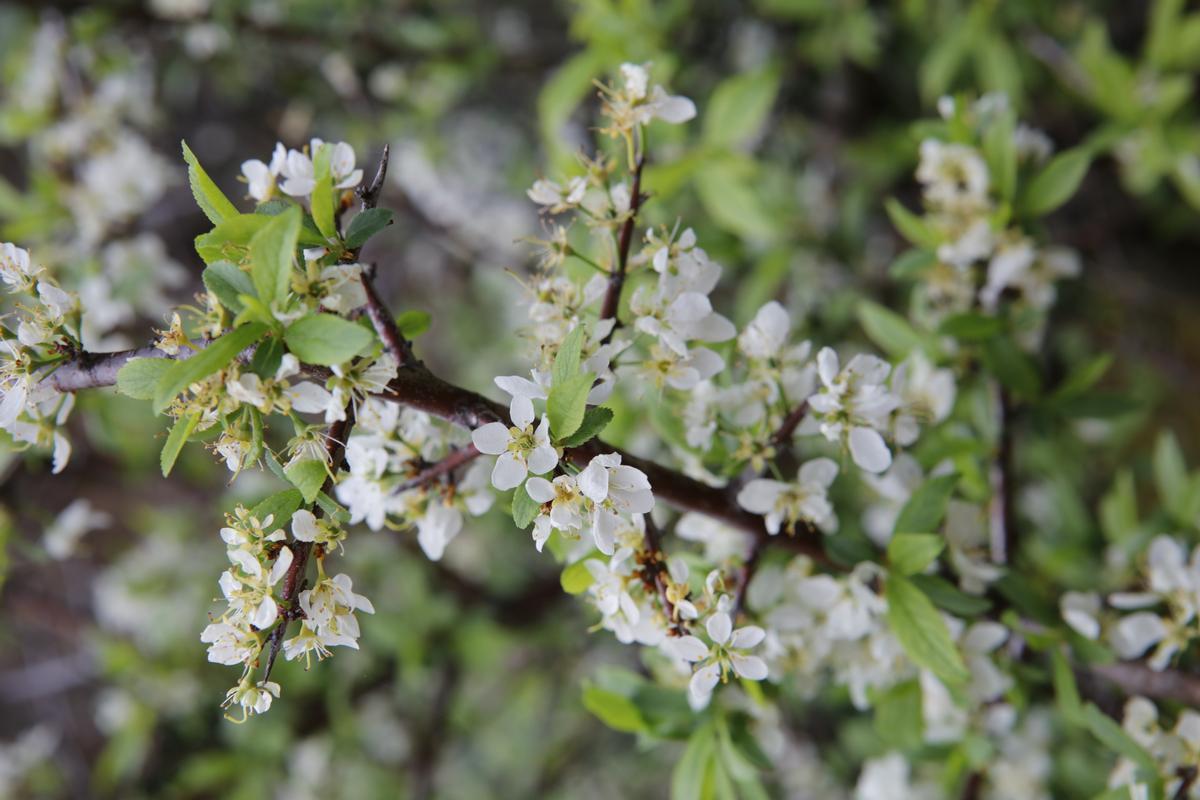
[46,326]
[1166,612]
[1175,750]
[979,261]
[293,172]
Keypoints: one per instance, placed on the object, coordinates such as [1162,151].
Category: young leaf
[182,374]
[1000,151]
[325,339]
[924,510]
[230,239]
[739,106]
[272,251]
[413,323]
[365,225]
[971,326]
[595,419]
[176,439]
[887,329]
[576,579]
[692,770]
[322,196]
[921,630]
[212,201]
[567,403]
[524,508]
[280,507]
[1055,184]
[1012,366]
[227,282]
[898,718]
[139,377]
[911,553]
[308,476]
[566,361]
[916,230]
[912,264]
[615,710]
[950,598]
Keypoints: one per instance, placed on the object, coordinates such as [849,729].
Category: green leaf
[267,357]
[280,507]
[925,509]
[615,710]
[595,419]
[898,718]
[308,476]
[566,360]
[912,264]
[888,330]
[225,280]
[567,403]
[1000,152]
[1170,468]
[1118,509]
[322,196]
[576,578]
[212,201]
[739,106]
[691,771]
[216,356]
[413,323]
[1082,378]
[139,377]
[1012,366]
[921,631]
[971,326]
[365,225]
[326,339]
[1055,184]
[731,197]
[1114,737]
[913,228]
[1065,691]
[910,553]
[272,251]
[950,598]
[524,508]
[176,439]
[230,239]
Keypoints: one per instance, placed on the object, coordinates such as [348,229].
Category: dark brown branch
[456,459]
[616,281]
[745,575]
[654,573]
[1137,678]
[784,435]
[385,326]
[293,580]
[1002,510]
[370,193]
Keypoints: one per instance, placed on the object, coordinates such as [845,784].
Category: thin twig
[370,194]
[616,281]
[654,573]
[456,459]
[394,342]
[784,435]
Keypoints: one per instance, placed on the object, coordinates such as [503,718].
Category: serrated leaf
[566,404]
[615,710]
[888,330]
[595,419]
[326,339]
[365,225]
[212,200]
[225,280]
[566,360]
[272,251]
[322,195]
[230,239]
[576,578]
[916,230]
[921,631]
[1055,184]
[413,323]
[925,509]
[139,377]
[910,553]
[216,356]
[176,439]
[308,476]
[280,507]
[524,508]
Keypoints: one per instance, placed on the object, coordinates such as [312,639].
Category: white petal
[508,472]
[542,460]
[869,450]
[719,626]
[540,489]
[491,439]
[747,637]
[703,682]
[593,481]
[749,667]
[820,471]
[759,495]
[304,526]
[689,648]
[520,410]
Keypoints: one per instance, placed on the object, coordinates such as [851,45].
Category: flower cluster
[1175,751]
[294,173]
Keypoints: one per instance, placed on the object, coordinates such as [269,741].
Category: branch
[789,425]
[394,342]
[654,573]
[1002,511]
[456,459]
[370,193]
[616,281]
[1137,678]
